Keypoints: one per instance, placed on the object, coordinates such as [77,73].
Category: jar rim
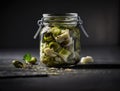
[61,14]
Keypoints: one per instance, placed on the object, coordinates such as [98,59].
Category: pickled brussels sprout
[52,61]
[54,45]
[64,54]
[55,31]
[49,61]
[48,37]
[63,37]
[49,52]
[60,46]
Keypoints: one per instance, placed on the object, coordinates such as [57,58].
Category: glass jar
[59,39]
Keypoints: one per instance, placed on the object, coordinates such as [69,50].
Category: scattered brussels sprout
[86,60]
[17,64]
[33,60]
[29,59]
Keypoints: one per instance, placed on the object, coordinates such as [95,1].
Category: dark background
[19,21]
[18,24]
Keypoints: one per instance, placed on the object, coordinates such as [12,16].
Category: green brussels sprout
[48,37]
[33,60]
[77,44]
[52,61]
[75,32]
[86,60]
[64,54]
[60,44]
[63,37]
[49,61]
[49,52]
[17,64]
[55,31]
[54,45]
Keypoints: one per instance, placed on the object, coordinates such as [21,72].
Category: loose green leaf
[27,57]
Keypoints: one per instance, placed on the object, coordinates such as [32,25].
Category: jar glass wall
[60,40]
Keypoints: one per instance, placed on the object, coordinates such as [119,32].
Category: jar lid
[62,14]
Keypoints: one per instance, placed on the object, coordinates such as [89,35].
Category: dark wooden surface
[103,75]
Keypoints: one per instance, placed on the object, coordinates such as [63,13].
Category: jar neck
[67,18]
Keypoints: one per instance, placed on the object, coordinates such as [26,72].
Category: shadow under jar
[60,40]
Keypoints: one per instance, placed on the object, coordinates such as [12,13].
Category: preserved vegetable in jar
[59,39]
